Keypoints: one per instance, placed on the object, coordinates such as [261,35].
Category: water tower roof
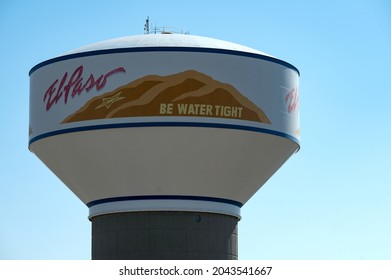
[164,40]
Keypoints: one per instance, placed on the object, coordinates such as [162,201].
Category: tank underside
[164,161]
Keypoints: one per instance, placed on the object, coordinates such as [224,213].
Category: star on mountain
[108,101]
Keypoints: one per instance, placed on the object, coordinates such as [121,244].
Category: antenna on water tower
[146,26]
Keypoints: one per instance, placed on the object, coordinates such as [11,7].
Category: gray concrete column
[164,235]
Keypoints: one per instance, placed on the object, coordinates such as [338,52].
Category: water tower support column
[164,235]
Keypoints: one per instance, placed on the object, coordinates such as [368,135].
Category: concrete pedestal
[164,235]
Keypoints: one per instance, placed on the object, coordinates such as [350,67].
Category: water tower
[164,137]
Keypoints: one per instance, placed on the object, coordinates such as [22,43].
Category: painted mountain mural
[188,93]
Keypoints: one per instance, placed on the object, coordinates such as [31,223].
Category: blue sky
[332,200]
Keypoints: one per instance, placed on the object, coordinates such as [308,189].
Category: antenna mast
[146,26]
